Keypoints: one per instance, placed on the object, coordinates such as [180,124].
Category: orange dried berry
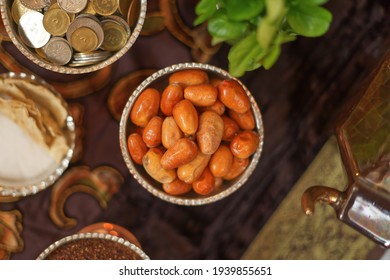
[145,107]
[233,96]
[205,184]
[137,148]
[189,77]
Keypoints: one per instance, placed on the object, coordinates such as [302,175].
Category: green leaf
[266,33]
[276,9]
[239,11]
[204,10]
[310,21]
[272,56]
[220,26]
[217,40]
[284,37]
[311,2]
[245,55]
[255,21]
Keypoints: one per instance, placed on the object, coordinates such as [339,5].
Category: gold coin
[17,10]
[84,39]
[56,6]
[118,20]
[124,6]
[89,9]
[105,7]
[154,23]
[115,36]
[41,52]
[86,20]
[56,22]
[133,12]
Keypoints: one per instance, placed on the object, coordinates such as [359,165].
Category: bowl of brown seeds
[92,246]
[73,37]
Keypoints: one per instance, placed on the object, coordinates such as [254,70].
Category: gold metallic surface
[133,12]
[84,39]
[76,110]
[41,52]
[119,20]
[115,36]
[11,228]
[4,255]
[154,23]
[3,33]
[8,199]
[17,10]
[105,7]
[89,9]
[322,194]
[124,6]
[101,183]
[56,22]
[85,21]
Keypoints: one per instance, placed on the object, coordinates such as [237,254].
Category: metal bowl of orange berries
[191,134]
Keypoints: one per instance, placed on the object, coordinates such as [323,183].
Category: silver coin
[81,63]
[58,51]
[72,6]
[31,30]
[98,55]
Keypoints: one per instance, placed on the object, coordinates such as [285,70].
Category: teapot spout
[324,194]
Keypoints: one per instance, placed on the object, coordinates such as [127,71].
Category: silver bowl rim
[160,193]
[17,191]
[67,69]
[92,235]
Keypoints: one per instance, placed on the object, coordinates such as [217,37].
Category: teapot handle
[315,194]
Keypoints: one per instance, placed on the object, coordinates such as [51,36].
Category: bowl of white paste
[37,135]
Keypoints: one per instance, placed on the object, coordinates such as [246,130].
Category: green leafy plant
[256,29]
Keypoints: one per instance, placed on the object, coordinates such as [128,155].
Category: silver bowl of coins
[73,37]
[37,135]
[92,246]
[191,134]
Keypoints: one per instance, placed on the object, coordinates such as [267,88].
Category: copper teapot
[364,143]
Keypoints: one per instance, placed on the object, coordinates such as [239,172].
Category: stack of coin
[74,33]
[84,59]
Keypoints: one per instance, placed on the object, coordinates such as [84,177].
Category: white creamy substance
[22,160]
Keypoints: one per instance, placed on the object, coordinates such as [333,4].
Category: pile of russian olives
[195,134]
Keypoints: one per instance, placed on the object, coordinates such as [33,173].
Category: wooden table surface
[301,98]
